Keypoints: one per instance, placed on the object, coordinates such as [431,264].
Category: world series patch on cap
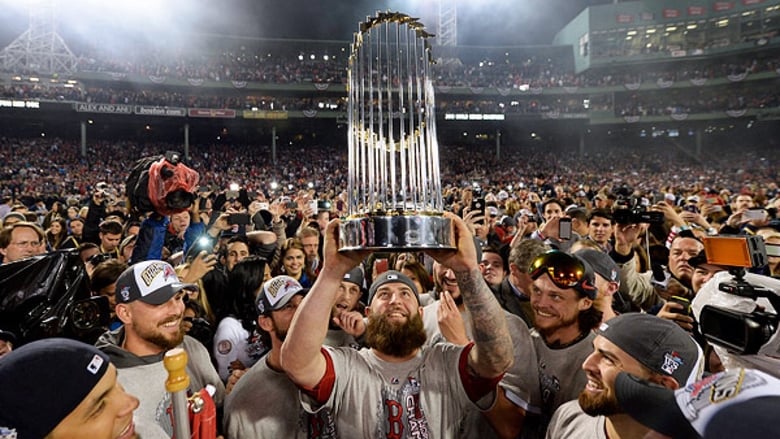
[152,282]
[277,292]
[657,343]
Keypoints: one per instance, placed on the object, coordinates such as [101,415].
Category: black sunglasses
[565,270]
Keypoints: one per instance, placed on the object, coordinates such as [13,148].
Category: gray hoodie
[144,377]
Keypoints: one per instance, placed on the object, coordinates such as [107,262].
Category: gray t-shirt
[420,397]
[264,404]
[561,378]
[520,383]
[569,421]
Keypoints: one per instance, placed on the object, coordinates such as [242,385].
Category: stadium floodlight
[39,48]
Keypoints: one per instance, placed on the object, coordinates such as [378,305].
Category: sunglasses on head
[565,270]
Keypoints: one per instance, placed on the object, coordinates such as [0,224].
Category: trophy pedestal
[398,233]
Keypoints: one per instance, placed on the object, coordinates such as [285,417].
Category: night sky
[481,22]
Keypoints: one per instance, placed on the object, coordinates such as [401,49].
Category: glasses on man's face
[565,270]
[25,244]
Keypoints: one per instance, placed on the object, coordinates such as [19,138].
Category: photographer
[96,213]
[647,289]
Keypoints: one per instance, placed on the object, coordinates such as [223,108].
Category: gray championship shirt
[424,397]
[264,404]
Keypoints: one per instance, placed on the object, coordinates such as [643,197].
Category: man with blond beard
[150,304]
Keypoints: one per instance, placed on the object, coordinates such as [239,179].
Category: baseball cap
[602,264]
[735,403]
[355,276]
[44,381]
[659,344]
[152,282]
[565,271]
[503,195]
[15,215]
[277,292]
[7,336]
[508,221]
[388,277]
[492,210]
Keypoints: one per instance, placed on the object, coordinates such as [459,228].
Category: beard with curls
[397,340]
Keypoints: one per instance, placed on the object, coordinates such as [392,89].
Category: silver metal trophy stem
[395,199]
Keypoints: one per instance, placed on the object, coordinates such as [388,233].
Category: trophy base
[398,233]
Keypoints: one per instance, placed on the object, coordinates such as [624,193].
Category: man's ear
[123,313]
[514,270]
[265,323]
[585,303]
[664,380]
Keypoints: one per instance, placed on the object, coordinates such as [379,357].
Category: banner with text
[216,113]
[145,110]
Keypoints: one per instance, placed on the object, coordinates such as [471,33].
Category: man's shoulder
[570,421]
[192,345]
[259,377]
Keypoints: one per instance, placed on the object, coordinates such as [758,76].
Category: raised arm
[301,354]
[492,352]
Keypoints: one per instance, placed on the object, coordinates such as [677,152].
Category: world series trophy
[394,189]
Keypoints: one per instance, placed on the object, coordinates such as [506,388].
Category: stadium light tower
[40,48]
[448,23]
[447,35]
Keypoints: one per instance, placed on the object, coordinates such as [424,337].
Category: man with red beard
[150,304]
[398,388]
[562,295]
[648,347]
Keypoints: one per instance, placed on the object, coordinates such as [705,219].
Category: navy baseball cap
[43,382]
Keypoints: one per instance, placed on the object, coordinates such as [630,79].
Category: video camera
[740,332]
[631,211]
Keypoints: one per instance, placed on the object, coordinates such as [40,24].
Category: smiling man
[562,295]
[59,389]
[648,347]
[150,304]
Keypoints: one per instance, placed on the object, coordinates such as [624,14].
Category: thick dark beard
[605,405]
[397,340]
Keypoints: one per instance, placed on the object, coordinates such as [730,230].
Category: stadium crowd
[565,299]
[254,301]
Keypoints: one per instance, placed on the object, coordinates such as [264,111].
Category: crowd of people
[569,303]
[520,332]
[53,169]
